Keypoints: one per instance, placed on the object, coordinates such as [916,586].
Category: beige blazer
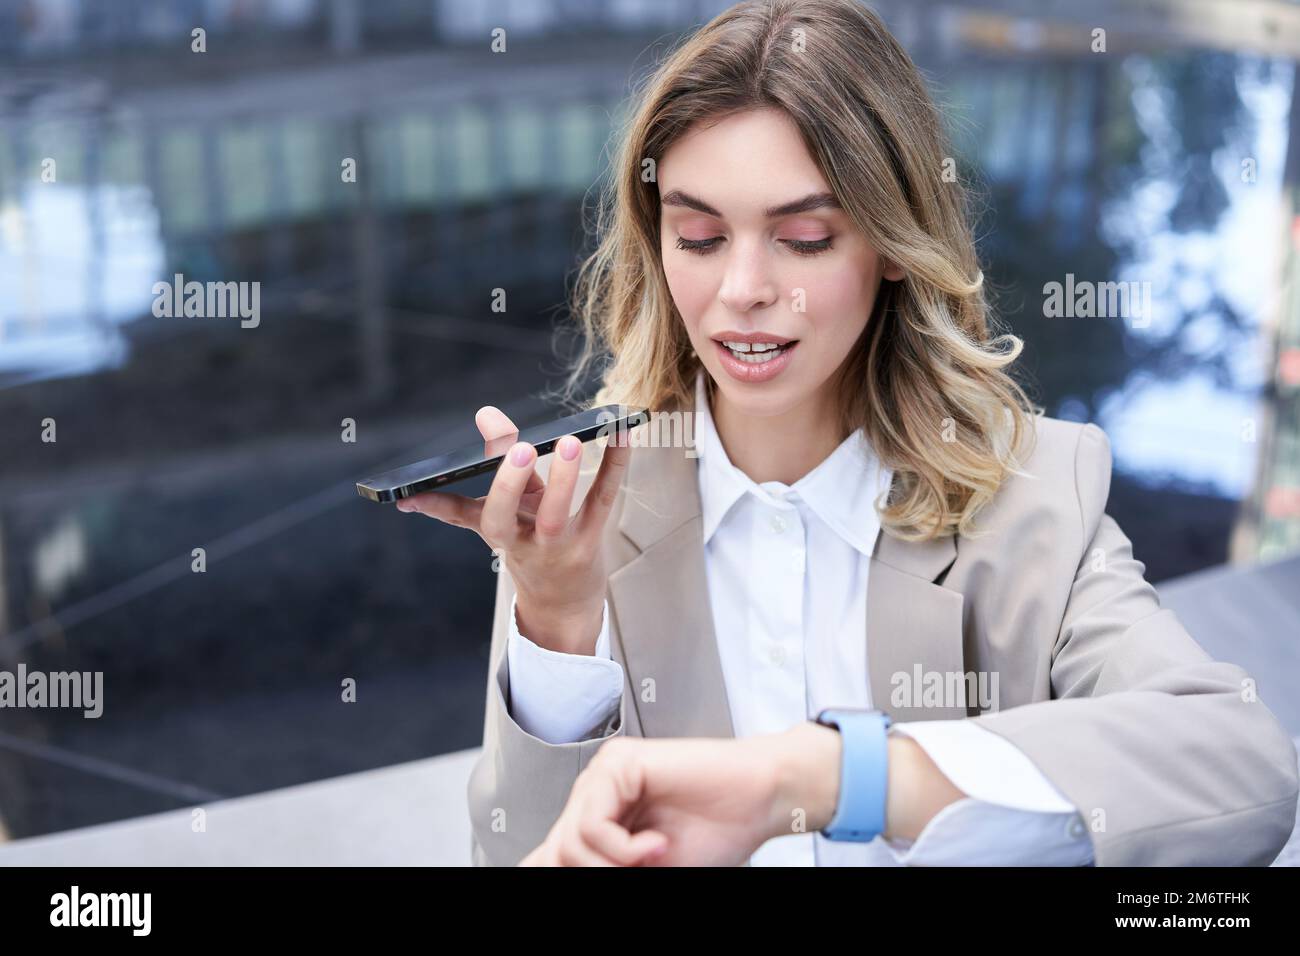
[1168,755]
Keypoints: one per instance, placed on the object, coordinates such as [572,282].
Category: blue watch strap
[864,774]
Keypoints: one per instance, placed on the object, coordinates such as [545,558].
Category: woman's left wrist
[805,778]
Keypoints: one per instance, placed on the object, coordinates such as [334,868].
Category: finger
[499,523]
[553,513]
[495,425]
[527,505]
[451,508]
[651,846]
[615,843]
[604,489]
[594,799]
[572,848]
[604,794]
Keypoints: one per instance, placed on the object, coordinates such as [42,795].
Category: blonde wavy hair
[925,381]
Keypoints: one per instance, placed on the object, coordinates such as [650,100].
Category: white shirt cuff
[971,832]
[1012,814]
[562,698]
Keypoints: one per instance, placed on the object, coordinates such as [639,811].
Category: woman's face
[758,254]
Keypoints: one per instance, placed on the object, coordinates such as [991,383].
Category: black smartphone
[479,457]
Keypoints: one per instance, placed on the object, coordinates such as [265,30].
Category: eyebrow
[807,204]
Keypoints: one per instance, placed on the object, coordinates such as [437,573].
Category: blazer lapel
[914,631]
[664,622]
[660,601]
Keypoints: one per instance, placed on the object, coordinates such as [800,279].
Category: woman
[872,514]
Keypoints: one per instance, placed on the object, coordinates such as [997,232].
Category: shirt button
[776,653]
[796,558]
[778,524]
[1076,830]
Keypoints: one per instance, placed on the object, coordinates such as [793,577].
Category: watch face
[829,716]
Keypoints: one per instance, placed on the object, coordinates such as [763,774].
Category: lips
[750,338]
[758,361]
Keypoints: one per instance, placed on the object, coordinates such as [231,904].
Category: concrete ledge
[411,814]
[1249,615]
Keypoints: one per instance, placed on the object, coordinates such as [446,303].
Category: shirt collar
[841,490]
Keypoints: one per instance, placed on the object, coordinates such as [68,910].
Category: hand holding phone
[554,558]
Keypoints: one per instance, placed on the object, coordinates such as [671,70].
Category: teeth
[755,353]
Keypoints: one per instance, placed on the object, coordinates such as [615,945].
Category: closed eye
[804,247]
[700,247]
[808,247]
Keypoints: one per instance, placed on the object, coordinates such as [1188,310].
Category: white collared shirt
[787,569]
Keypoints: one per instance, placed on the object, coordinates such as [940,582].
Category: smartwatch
[864,772]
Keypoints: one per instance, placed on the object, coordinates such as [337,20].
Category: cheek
[692,291]
[839,303]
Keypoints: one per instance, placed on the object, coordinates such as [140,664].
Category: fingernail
[402,505]
[520,454]
[569,447]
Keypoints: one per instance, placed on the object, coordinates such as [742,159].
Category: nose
[748,282]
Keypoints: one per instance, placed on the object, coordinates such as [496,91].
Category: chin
[765,400]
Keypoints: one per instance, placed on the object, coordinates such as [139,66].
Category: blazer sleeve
[560,697]
[520,783]
[1169,755]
